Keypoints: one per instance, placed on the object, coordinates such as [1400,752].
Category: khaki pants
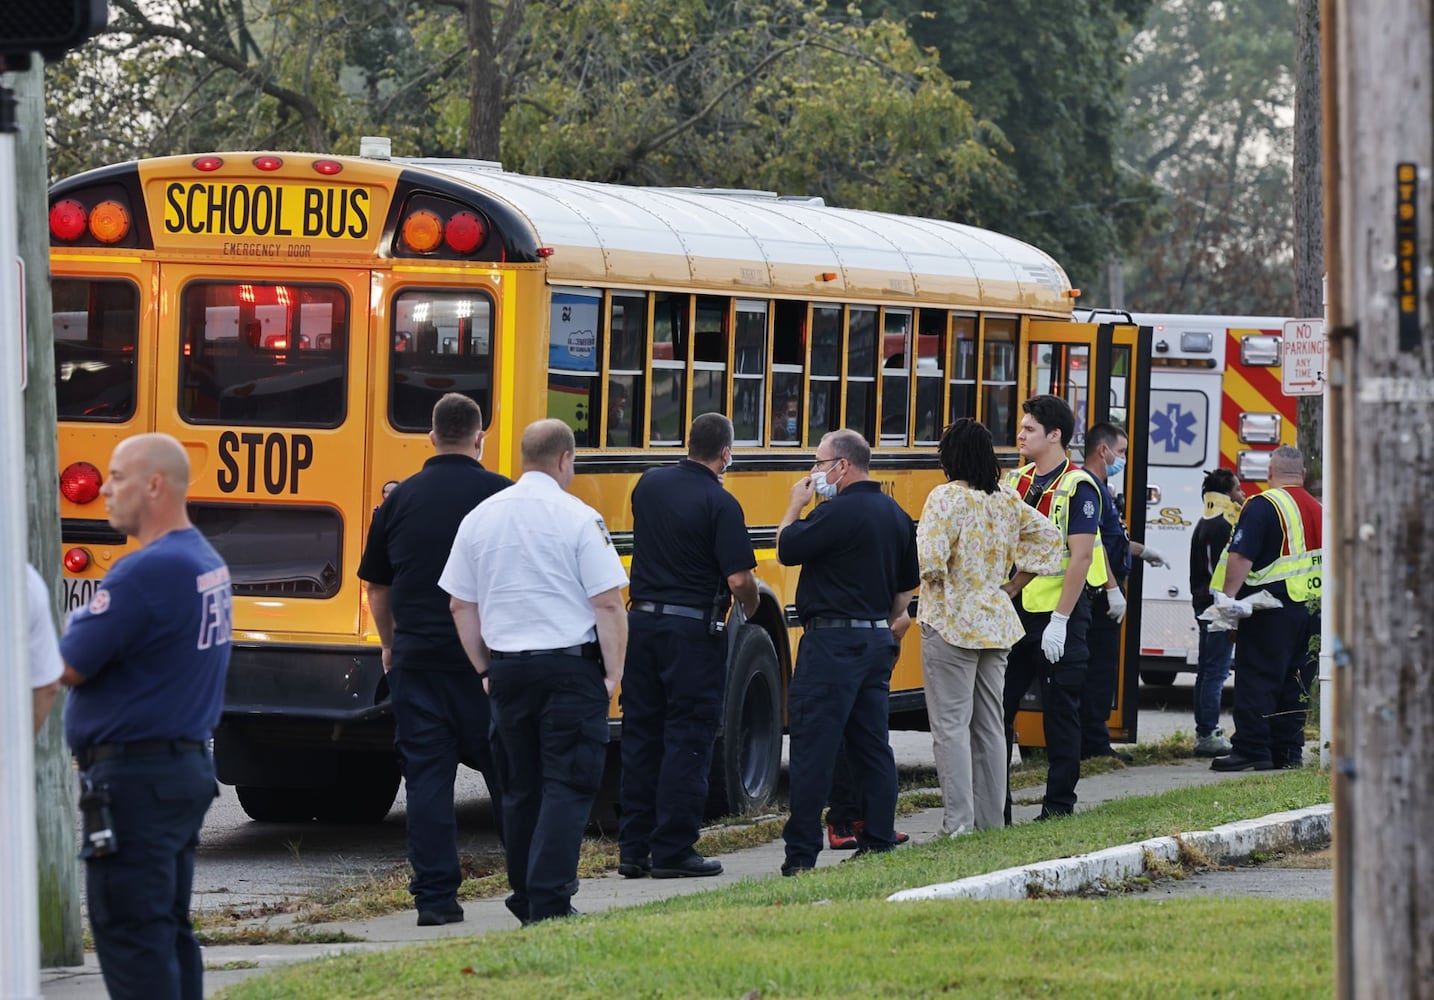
[968,733]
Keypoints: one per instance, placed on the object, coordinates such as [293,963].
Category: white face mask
[820,484]
[726,465]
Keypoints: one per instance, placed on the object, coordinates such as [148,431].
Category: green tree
[1050,74]
[1210,121]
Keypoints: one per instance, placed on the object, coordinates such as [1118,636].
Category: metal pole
[19,903]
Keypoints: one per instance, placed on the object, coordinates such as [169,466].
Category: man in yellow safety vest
[1055,610]
[1275,548]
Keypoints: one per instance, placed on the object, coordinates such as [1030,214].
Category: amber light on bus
[106,223]
[80,482]
[77,560]
[109,222]
[433,226]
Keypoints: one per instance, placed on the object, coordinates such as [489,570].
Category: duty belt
[814,623]
[89,756]
[679,610]
[587,650]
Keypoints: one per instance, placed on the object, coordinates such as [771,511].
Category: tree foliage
[1209,120]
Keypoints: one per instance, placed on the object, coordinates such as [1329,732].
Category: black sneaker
[451,914]
[632,867]
[1239,762]
[695,866]
[519,910]
[790,868]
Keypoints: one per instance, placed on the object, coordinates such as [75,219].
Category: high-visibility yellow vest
[1297,566]
[1044,592]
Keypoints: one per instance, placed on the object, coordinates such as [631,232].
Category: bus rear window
[263,354]
[96,325]
[442,342]
[276,551]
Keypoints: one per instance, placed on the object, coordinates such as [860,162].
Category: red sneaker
[841,838]
[856,827]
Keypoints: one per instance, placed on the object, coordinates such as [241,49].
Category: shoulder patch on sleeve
[602,530]
[1089,508]
[100,603]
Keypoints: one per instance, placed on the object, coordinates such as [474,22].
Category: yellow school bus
[292,318]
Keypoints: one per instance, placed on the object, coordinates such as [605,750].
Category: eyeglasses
[824,461]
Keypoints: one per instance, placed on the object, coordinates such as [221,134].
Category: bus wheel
[363,792]
[1157,678]
[748,756]
[276,805]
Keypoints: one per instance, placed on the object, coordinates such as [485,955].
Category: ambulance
[1215,400]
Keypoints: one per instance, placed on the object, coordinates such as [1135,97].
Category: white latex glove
[1053,639]
[1233,609]
[1152,556]
[1116,600]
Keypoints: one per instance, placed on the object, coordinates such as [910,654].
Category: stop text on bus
[280,458]
[209,209]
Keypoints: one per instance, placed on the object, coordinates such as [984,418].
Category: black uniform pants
[672,687]
[1274,668]
[1059,685]
[138,897]
[1097,693]
[440,719]
[549,745]
[841,687]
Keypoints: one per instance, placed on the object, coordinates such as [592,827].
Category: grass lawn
[830,933]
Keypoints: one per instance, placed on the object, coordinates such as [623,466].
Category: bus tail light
[109,222]
[80,482]
[68,220]
[422,231]
[464,233]
[1259,428]
[1253,466]
[77,560]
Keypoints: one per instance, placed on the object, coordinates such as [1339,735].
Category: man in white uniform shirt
[45,663]
[536,589]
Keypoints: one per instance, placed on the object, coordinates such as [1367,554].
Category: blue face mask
[1115,469]
[791,427]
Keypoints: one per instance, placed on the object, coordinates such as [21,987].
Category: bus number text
[280,457]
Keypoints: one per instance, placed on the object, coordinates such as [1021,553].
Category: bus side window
[861,372]
[788,354]
[895,376]
[574,362]
[442,341]
[669,369]
[963,367]
[930,362]
[711,345]
[627,341]
[96,326]
[824,399]
[1000,409]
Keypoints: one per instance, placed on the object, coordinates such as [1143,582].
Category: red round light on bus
[465,232]
[328,167]
[208,163]
[67,219]
[77,560]
[268,162]
[109,222]
[80,482]
[422,231]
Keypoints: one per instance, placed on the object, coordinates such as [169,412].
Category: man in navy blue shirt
[858,557]
[1055,609]
[146,661]
[440,711]
[690,554]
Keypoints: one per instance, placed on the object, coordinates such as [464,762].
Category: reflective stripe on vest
[1297,566]
[1044,592]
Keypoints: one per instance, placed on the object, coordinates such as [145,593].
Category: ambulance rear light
[1260,428]
[1197,343]
[1253,466]
[80,482]
[1260,350]
[77,559]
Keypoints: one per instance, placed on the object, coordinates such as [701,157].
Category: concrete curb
[1228,843]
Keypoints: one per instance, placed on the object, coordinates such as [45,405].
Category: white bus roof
[758,243]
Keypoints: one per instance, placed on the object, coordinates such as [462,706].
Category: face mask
[820,484]
[791,427]
[1115,469]
[727,464]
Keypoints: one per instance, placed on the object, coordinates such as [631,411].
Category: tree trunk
[1382,158]
[1309,217]
[485,87]
[60,930]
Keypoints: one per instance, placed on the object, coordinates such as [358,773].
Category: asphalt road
[241,862]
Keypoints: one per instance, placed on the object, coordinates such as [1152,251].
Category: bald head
[146,488]
[548,446]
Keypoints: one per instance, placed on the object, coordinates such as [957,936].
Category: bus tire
[1158,678]
[276,805]
[364,792]
[747,757]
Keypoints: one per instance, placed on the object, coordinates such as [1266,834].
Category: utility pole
[61,941]
[1379,241]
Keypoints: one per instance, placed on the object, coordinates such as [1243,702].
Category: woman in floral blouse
[973,531]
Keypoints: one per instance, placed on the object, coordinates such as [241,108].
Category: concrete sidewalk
[597,895]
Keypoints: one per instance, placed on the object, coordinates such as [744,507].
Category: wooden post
[1382,294]
[1309,218]
[60,930]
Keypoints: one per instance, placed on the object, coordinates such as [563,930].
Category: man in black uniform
[690,553]
[859,570]
[440,712]
[147,659]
